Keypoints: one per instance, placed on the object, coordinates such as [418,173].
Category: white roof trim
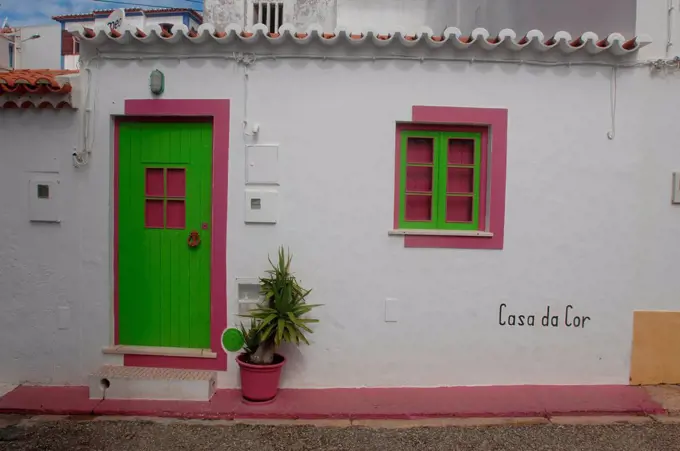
[614,44]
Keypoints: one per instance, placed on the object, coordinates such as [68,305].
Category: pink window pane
[418,208]
[175,214]
[419,178]
[154,182]
[460,180]
[153,214]
[419,150]
[461,151]
[459,209]
[176,182]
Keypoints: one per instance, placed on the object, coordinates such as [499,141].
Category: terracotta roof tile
[35,88]
[90,33]
[614,44]
[630,44]
[34,81]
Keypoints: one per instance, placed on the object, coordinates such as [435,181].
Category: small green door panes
[164,194]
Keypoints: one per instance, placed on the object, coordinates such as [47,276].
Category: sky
[35,12]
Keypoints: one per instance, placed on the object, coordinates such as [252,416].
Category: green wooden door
[164,192]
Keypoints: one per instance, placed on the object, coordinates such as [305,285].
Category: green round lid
[232,340]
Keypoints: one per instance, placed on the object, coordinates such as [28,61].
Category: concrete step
[129,382]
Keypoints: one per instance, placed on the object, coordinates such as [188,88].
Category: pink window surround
[493,124]
[217,112]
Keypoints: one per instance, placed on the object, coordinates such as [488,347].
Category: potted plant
[278,318]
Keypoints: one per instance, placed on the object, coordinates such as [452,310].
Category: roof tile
[35,88]
[34,81]
[561,41]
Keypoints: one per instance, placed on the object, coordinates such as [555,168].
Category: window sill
[415,232]
[160,351]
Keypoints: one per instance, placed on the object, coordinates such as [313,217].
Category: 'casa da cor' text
[551,318]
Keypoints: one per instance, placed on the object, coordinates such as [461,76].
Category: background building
[137,17]
[31,47]
[52,46]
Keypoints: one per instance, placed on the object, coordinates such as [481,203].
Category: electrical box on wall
[261,206]
[248,294]
[43,198]
[262,165]
[676,188]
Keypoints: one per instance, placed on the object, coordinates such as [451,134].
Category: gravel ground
[141,436]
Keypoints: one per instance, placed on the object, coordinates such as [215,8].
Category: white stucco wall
[4,55]
[602,17]
[441,14]
[71,62]
[589,221]
[41,53]
[653,19]
[407,15]
[224,12]
[577,16]
[51,270]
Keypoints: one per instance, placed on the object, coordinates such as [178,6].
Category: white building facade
[573,231]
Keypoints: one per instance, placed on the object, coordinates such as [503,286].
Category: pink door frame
[216,111]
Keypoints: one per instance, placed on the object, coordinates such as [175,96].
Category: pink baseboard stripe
[364,403]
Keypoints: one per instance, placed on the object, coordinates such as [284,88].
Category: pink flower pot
[260,383]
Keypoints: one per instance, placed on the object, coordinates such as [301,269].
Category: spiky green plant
[280,315]
[251,337]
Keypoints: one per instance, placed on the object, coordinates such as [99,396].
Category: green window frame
[439,193]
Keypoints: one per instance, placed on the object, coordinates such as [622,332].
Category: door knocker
[194,239]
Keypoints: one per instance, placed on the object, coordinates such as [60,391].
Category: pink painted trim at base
[496,120]
[216,110]
[362,403]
